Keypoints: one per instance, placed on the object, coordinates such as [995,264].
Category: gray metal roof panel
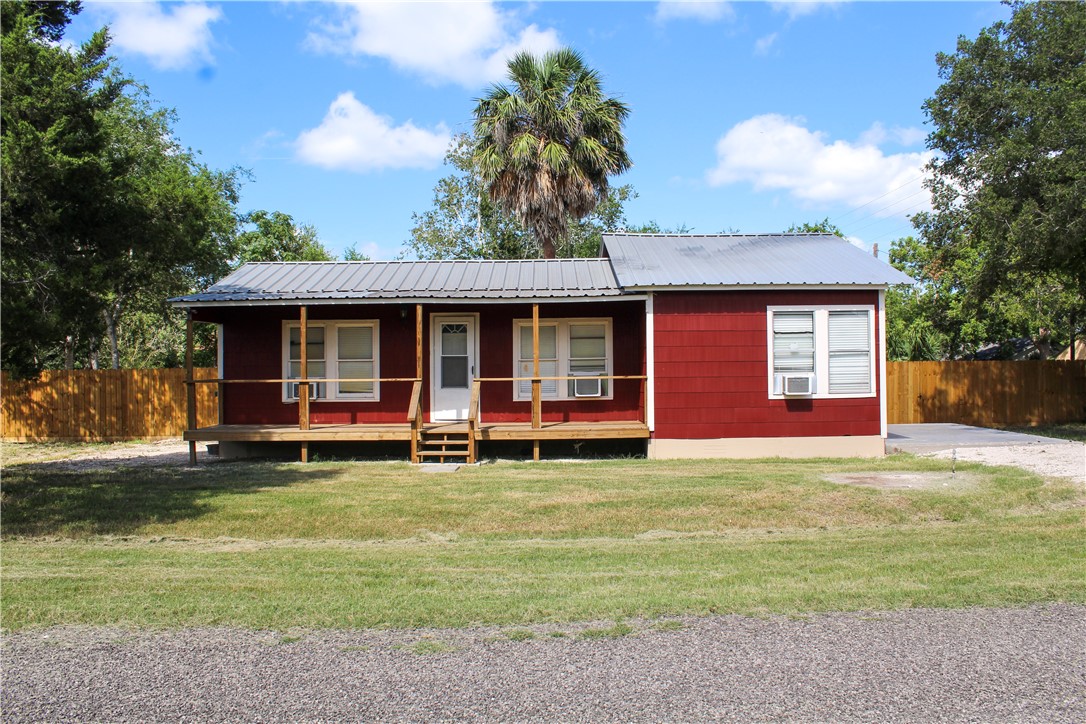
[643,261]
[460,279]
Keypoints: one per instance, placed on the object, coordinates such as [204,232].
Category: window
[335,350]
[588,359]
[793,342]
[850,353]
[354,354]
[567,348]
[315,362]
[454,356]
[548,361]
[833,345]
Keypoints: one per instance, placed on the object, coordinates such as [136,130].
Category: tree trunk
[69,352]
[112,316]
[92,358]
[1043,343]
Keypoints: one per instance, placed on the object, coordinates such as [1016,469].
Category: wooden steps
[445,445]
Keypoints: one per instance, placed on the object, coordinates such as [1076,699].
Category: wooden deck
[402,432]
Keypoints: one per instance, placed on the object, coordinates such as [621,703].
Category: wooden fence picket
[102,405]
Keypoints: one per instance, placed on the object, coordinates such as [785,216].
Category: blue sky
[745,116]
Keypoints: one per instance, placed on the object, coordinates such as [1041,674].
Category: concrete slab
[439,467]
[931,437]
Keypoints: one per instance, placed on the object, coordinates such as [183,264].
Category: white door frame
[440,411]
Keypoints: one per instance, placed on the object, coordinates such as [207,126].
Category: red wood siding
[711,371]
[628,332]
[252,349]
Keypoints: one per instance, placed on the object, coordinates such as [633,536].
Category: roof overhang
[355,301]
[757,287]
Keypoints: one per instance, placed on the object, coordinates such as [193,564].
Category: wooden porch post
[190,386]
[417,417]
[418,341]
[537,414]
[303,387]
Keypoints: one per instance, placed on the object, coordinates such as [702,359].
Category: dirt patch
[907,481]
[1055,460]
[103,456]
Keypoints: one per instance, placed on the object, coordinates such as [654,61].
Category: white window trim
[331,358]
[563,345]
[822,349]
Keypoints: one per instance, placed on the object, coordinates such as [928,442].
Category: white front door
[452,357]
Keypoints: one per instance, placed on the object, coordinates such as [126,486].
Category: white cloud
[467,43]
[764,43]
[799,8]
[172,37]
[774,152]
[879,134]
[706,11]
[353,137]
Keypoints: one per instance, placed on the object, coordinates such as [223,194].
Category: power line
[907,183]
[874,214]
[885,234]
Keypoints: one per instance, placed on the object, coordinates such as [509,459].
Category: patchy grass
[611,632]
[1065,431]
[669,626]
[268,502]
[15,453]
[519,634]
[343,545]
[429,646]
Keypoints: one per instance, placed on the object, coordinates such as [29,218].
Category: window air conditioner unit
[587,387]
[796,385]
[316,390]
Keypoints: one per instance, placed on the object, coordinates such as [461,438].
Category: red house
[729,346]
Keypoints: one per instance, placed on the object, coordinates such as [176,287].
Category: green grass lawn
[343,544]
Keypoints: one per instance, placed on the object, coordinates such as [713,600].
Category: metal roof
[364,280]
[646,261]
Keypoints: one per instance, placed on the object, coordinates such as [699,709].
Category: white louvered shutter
[850,352]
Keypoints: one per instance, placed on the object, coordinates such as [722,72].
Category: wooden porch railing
[414,416]
[303,400]
[473,418]
[537,401]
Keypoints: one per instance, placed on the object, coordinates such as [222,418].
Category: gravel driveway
[914,665]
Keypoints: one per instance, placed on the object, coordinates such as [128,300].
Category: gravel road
[913,665]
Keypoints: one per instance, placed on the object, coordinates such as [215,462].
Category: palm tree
[546,143]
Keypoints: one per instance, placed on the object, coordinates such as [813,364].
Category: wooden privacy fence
[150,404]
[103,405]
[989,394]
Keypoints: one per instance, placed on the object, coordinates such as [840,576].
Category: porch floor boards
[402,432]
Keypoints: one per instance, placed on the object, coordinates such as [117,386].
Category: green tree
[916,315]
[1009,179]
[54,170]
[102,207]
[818,227]
[465,224]
[351,253]
[49,18]
[274,236]
[547,144]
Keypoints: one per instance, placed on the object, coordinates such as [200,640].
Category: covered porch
[429,440]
